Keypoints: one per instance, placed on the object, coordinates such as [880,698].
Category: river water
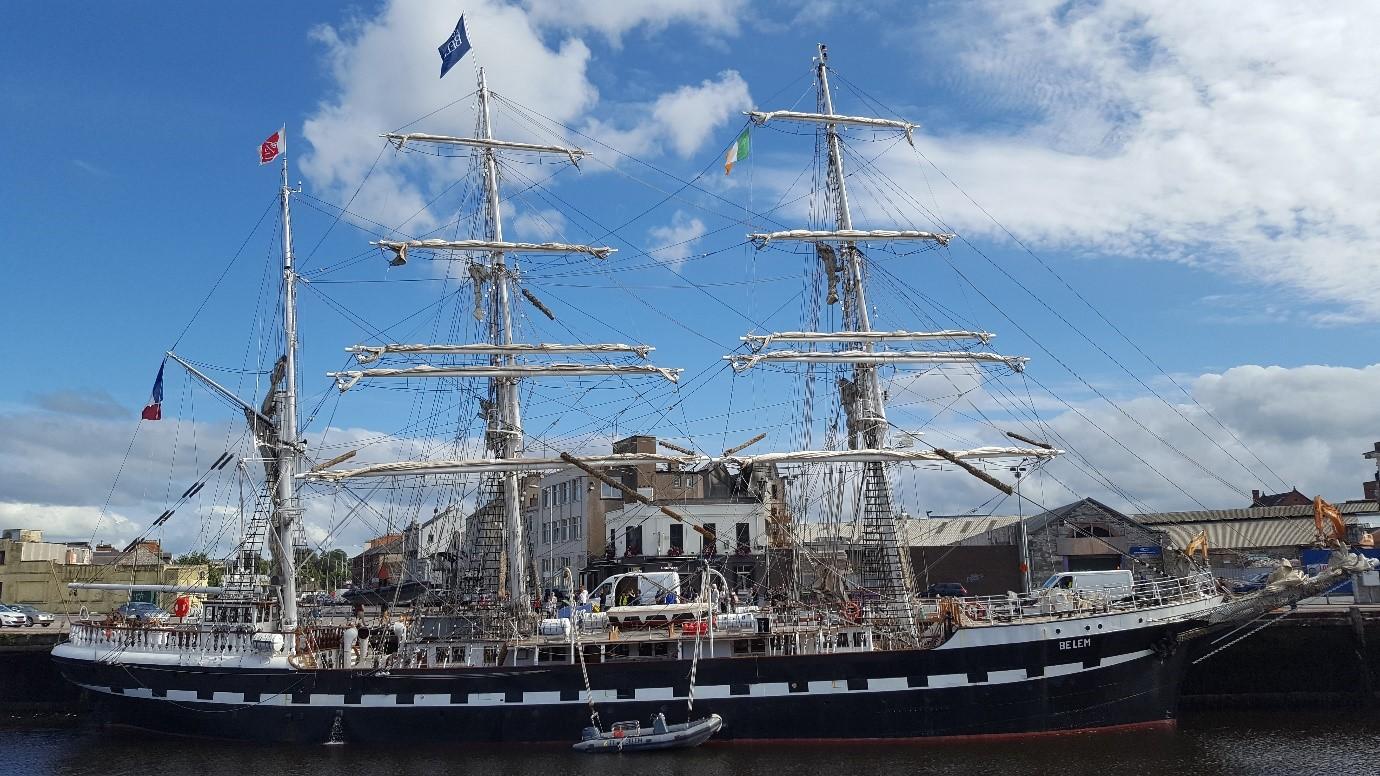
[1343,742]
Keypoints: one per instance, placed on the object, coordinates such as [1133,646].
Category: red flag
[272,147]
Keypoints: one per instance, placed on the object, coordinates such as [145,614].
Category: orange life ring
[851,611]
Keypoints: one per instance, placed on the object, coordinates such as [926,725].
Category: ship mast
[287,509]
[505,430]
[886,565]
[886,573]
[497,537]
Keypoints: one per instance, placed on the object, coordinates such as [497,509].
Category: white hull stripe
[711,691]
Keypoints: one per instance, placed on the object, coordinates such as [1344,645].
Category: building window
[607,491]
[632,540]
[565,530]
[545,497]
[677,539]
[709,545]
[743,539]
[575,525]
[2,557]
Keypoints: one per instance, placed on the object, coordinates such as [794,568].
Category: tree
[214,568]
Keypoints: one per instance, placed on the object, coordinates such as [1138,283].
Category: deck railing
[1048,602]
[162,638]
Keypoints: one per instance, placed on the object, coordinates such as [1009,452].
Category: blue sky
[1150,158]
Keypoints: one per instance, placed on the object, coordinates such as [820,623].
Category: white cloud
[1236,137]
[675,240]
[614,18]
[1309,426]
[683,119]
[383,79]
[539,224]
[67,522]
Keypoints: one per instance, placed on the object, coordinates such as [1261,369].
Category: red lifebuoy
[851,611]
[182,606]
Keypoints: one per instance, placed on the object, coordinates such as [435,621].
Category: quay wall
[1326,657]
[29,683]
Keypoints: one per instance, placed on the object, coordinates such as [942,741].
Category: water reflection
[1235,744]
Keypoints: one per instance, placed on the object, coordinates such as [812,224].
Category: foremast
[497,547]
[504,432]
[287,508]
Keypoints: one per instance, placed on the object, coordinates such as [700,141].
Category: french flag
[154,409]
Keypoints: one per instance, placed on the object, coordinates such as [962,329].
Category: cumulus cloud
[1234,137]
[676,240]
[1284,427]
[614,18]
[681,120]
[539,224]
[377,68]
[68,522]
[383,79]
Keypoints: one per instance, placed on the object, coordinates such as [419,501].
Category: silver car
[10,618]
[143,612]
[36,616]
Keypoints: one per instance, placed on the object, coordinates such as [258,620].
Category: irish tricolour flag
[736,152]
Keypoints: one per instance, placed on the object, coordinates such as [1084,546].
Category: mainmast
[886,563]
[505,430]
[287,507]
[885,573]
[868,407]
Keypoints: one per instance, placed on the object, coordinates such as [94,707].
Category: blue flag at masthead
[455,47]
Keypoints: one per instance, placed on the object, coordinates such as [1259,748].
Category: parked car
[946,590]
[142,611]
[10,618]
[36,616]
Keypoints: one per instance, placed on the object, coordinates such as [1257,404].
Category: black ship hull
[1059,685]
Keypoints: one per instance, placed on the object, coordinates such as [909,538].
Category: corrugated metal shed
[1252,513]
[1245,534]
[925,531]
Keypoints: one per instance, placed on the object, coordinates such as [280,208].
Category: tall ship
[473,652]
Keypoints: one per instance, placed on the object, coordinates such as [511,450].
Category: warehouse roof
[1252,513]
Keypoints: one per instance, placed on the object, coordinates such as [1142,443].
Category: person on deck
[363,640]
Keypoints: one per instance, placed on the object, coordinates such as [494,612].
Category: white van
[1117,583]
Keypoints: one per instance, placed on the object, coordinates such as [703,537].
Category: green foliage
[215,570]
[324,571]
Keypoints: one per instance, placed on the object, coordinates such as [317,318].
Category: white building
[739,533]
